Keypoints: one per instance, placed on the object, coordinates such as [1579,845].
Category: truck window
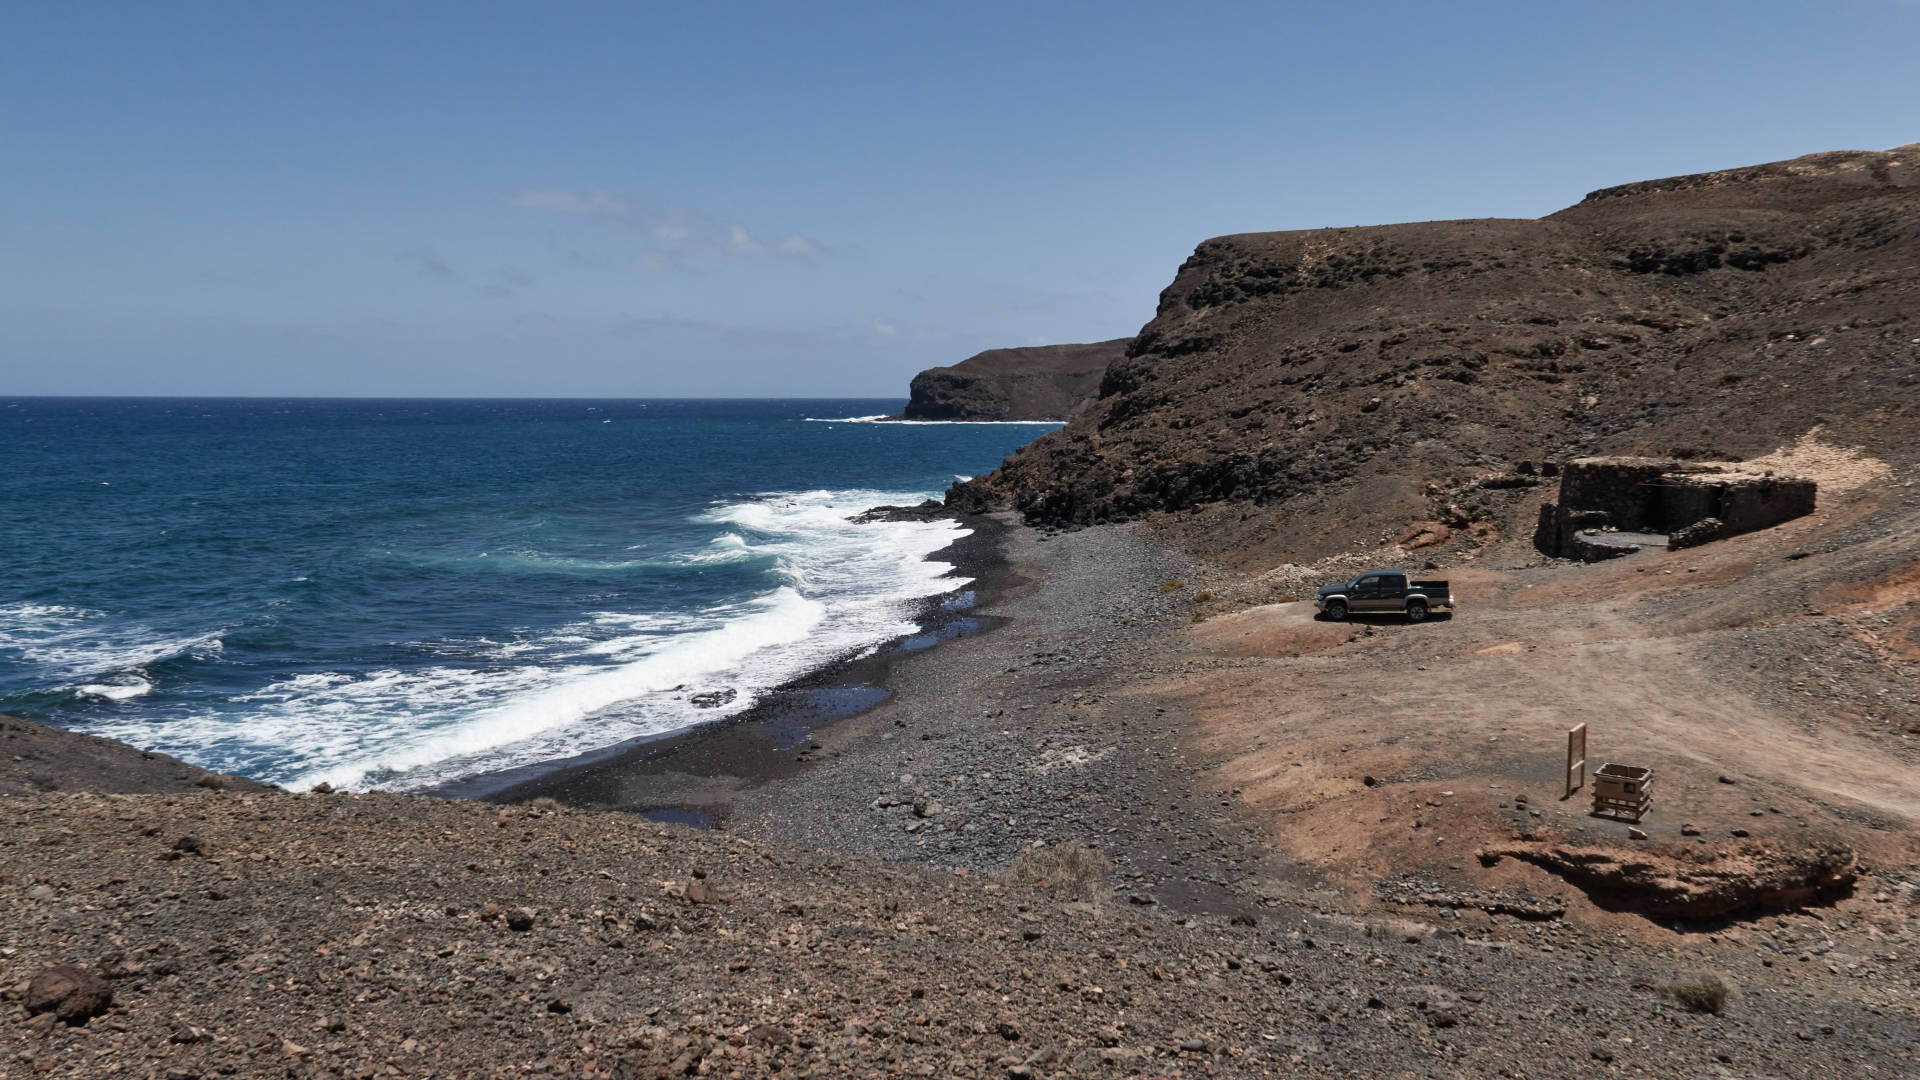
[1367,584]
[1394,582]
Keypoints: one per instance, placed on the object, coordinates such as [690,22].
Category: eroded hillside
[1040,382]
[1299,391]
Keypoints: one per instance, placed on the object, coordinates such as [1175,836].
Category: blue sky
[585,199]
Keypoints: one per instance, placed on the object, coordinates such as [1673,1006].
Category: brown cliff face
[1045,382]
[1296,391]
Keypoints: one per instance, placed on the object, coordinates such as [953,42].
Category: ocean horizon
[409,592]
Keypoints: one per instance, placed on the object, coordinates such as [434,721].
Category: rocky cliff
[1044,382]
[1372,377]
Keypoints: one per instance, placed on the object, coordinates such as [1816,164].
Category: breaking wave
[837,589]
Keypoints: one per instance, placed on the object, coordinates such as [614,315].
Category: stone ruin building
[1616,506]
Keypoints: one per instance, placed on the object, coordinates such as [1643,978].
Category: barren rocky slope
[1422,905]
[1042,382]
[375,936]
[1297,389]
[40,758]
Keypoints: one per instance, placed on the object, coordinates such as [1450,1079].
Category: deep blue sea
[405,593]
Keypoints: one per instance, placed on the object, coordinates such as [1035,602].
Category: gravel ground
[877,906]
[380,935]
[1030,734]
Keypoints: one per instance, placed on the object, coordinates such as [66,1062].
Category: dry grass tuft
[1700,991]
[1068,870]
[214,781]
[1405,930]
[1171,584]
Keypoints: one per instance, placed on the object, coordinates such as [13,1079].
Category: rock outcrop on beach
[1042,382]
[1299,391]
[42,758]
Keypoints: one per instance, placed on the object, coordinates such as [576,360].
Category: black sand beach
[1024,725]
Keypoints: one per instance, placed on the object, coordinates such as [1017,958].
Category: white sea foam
[74,644]
[920,423]
[118,690]
[117,650]
[607,678]
[28,616]
[725,549]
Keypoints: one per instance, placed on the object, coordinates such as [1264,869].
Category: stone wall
[1690,503]
[1760,503]
[1617,487]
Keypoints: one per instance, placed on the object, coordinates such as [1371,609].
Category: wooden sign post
[1576,759]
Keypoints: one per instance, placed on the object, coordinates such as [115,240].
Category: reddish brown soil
[1759,687]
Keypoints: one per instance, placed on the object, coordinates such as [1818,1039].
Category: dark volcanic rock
[1361,375]
[1044,382]
[36,758]
[930,510]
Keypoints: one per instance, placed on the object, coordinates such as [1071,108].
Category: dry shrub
[1700,991]
[1171,584]
[1398,930]
[1285,598]
[1067,869]
[1202,596]
[544,802]
[214,781]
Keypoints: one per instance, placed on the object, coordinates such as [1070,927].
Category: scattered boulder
[770,1035]
[71,994]
[1719,883]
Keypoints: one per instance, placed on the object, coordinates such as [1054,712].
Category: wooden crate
[1622,791]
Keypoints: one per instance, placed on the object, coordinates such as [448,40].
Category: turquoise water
[405,593]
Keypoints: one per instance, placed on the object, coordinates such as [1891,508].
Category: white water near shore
[609,677]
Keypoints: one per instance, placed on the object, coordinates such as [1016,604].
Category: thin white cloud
[675,226]
[428,263]
[586,201]
[668,234]
[744,243]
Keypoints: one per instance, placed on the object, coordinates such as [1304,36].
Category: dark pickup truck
[1379,592]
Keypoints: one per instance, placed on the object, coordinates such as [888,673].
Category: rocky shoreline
[1027,861]
[1008,734]
[690,776]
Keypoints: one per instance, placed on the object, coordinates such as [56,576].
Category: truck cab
[1379,592]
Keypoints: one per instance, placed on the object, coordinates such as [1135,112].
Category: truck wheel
[1337,610]
[1416,612]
